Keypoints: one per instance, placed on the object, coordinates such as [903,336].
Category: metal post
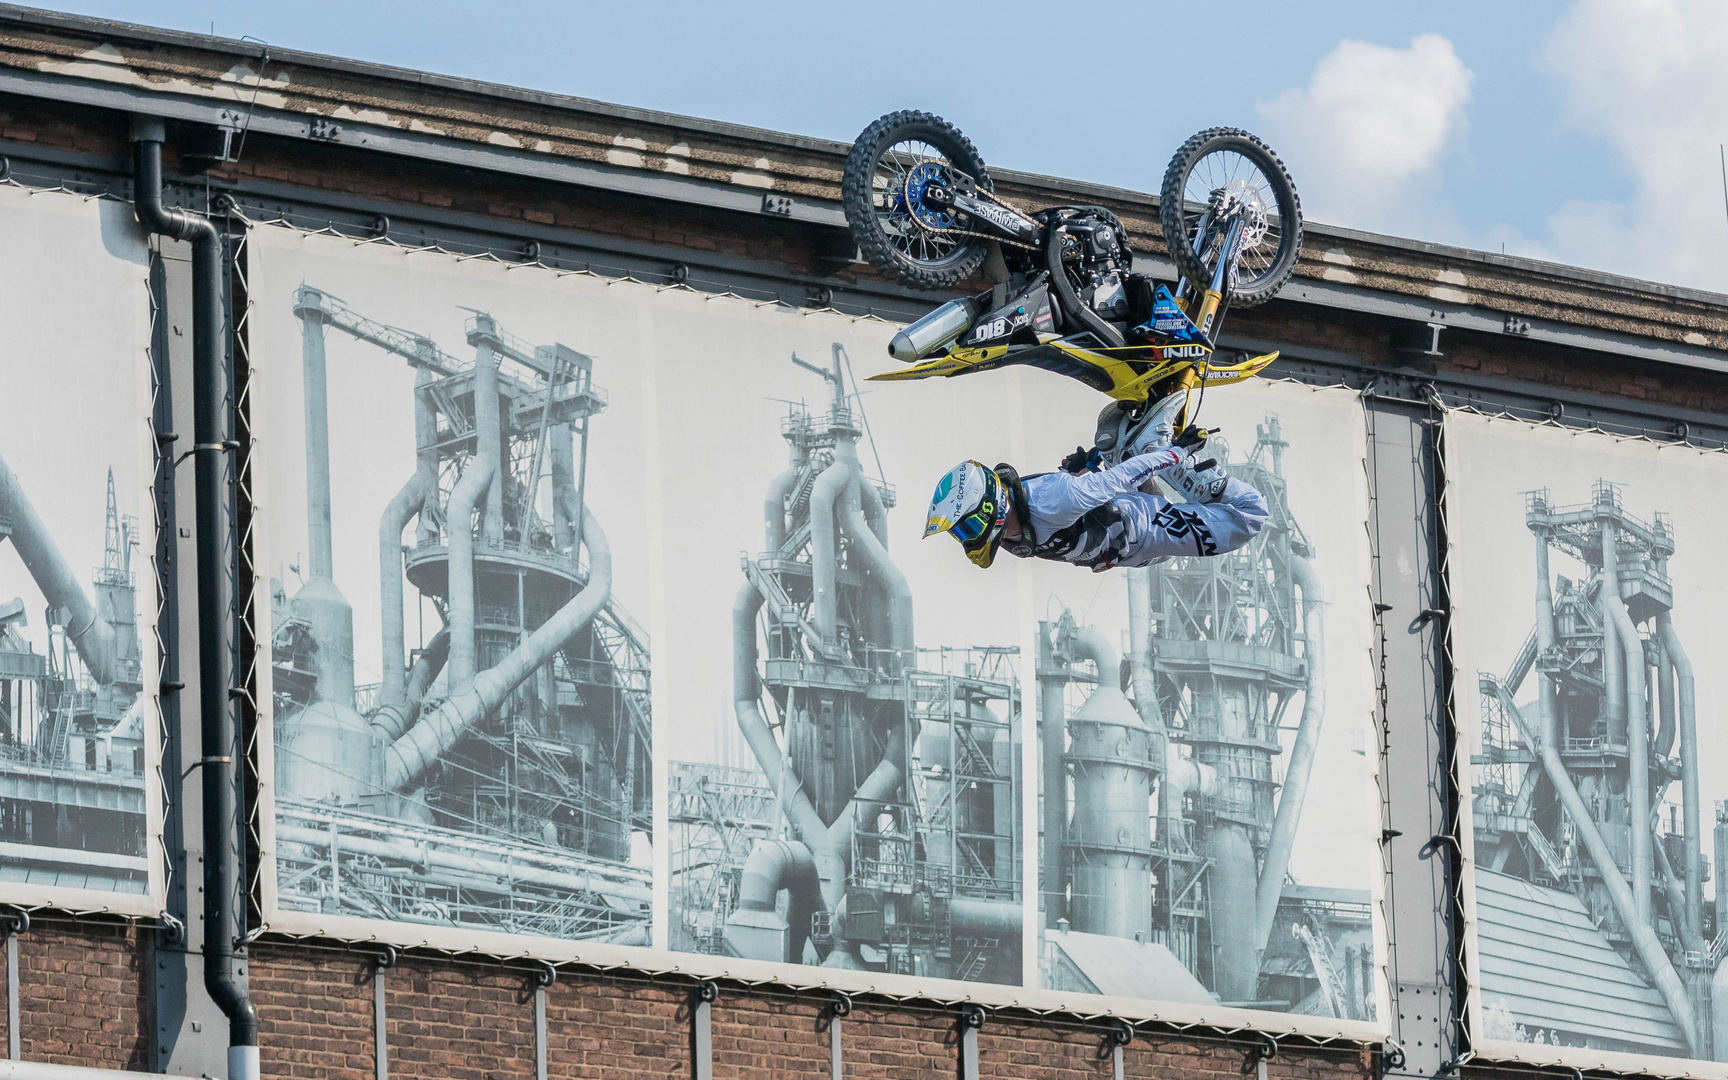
[1405,472]
[380,1043]
[1116,1042]
[702,999]
[546,976]
[840,1007]
[17,924]
[971,1019]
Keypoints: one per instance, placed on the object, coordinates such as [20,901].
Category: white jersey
[1102,519]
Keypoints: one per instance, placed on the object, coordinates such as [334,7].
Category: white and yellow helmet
[970,504]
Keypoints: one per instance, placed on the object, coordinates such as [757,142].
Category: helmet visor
[972,526]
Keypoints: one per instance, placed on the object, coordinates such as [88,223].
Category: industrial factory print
[841,701]
[80,797]
[452,528]
[1208,818]
[1588,583]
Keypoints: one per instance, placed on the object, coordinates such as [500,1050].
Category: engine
[1096,254]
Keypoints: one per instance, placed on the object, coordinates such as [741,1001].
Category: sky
[1577,131]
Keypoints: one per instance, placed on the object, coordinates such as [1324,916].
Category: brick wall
[83,994]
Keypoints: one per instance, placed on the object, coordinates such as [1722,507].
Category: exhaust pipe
[935,331]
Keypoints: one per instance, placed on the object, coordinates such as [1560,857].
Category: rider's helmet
[970,504]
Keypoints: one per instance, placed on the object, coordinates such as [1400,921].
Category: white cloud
[1366,135]
[1650,79]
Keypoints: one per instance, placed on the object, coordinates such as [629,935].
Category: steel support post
[702,999]
[1419,847]
[971,1019]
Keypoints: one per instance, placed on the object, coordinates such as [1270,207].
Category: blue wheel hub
[923,176]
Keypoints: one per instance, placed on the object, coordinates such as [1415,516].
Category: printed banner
[843,699]
[80,799]
[1587,593]
[451,521]
[1209,818]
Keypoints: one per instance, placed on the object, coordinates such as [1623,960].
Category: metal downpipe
[1301,766]
[224,833]
[91,635]
[409,755]
[825,551]
[476,481]
[1644,939]
[1691,812]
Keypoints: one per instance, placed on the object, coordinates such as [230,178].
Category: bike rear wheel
[905,239]
[1222,173]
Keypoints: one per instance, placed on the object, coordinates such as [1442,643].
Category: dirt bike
[1065,298]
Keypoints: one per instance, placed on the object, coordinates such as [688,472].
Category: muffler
[935,331]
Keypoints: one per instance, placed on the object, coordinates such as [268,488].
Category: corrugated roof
[1131,969]
[1543,960]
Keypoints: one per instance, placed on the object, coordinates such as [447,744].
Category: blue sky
[1585,131]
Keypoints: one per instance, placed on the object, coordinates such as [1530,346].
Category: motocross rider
[1100,519]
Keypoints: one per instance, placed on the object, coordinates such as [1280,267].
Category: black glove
[1081,460]
[1193,435]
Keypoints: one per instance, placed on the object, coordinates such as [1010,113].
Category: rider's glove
[1082,460]
[1200,481]
[1193,435]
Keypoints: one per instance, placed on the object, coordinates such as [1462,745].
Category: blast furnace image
[72,738]
[1589,828]
[875,822]
[1167,830]
[497,776]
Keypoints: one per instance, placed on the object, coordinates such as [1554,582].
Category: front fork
[1212,302]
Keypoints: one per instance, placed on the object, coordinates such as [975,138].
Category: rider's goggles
[975,524]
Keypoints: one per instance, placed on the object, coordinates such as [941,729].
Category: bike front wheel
[1218,177]
[907,239]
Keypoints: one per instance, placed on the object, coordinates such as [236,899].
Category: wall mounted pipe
[1300,768]
[825,550]
[91,634]
[1691,812]
[476,481]
[428,740]
[223,830]
[1644,939]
